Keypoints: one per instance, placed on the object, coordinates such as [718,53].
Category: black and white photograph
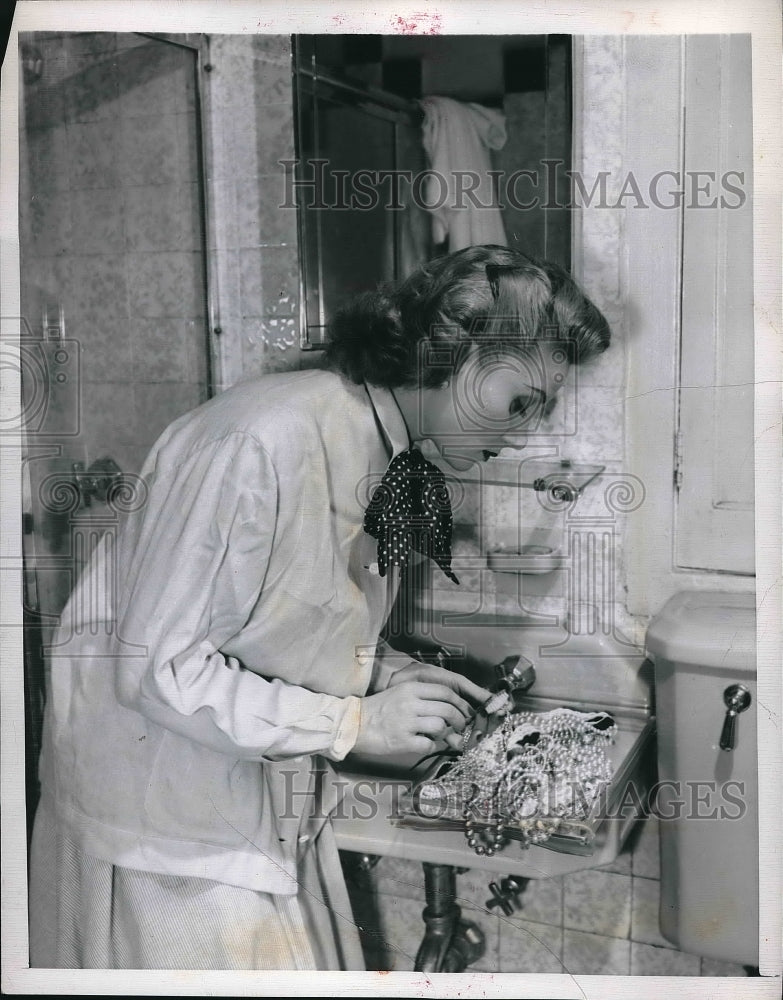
[391,499]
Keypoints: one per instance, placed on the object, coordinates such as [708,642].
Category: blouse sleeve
[197,557]
[388,661]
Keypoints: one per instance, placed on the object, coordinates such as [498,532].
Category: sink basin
[590,672]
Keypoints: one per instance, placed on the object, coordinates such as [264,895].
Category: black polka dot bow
[411,509]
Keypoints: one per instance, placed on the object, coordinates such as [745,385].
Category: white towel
[457,137]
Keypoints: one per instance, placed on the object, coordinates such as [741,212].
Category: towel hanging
[459,193]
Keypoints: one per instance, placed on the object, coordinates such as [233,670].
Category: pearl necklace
[532,771]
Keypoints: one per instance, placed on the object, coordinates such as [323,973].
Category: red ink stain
[424,24]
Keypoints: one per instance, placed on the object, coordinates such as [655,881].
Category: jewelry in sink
[519,775]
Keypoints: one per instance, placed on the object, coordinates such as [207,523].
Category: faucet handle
[516,675]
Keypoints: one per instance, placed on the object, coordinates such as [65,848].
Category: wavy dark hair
[492,296]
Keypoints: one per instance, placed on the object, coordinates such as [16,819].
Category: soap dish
[530,559]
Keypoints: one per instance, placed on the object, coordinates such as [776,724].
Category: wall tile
[198,361]
[598,901]
[222,189]
[542,901]
[621,864]
[231,79]
[257,146]
[94,289]
[402,931]
[645,920]
[47,157]
[163,217]
[646,854]
[269,282]
[647,960]
[92,155]
[160,350]
[47,219]
[43,103]
[109,417]
[262,219]
[166,284]
[272,80]
[251,278]
[275,48]
[188,150]
[98,221]
[225,51]
[595,955]
[526,946]
[153,77]
[149,150]
[600,429]
[90,91]
[130,40]
[91,42]
[105,350]
[159,404]
[399,877]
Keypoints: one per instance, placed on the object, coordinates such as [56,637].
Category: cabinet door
[714,475]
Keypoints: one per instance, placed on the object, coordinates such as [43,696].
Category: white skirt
[89,914]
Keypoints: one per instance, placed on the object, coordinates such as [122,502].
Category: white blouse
[225,634]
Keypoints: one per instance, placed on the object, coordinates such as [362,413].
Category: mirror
[361,166]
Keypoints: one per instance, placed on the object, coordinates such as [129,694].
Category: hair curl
[492,296]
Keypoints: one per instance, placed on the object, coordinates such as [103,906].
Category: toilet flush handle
[736,698]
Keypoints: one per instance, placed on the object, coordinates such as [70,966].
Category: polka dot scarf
[411,509]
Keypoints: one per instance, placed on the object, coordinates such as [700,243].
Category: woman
[194,709]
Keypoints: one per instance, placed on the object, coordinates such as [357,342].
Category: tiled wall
[110,221]
[112,252]
[254,239]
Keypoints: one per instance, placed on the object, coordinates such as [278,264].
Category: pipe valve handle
[736,698]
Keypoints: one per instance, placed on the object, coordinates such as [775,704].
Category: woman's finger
[429,673]
[441,693]
[431,725]
[450,716]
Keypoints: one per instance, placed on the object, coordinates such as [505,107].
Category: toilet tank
[702,644]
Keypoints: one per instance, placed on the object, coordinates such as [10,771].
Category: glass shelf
[563,479]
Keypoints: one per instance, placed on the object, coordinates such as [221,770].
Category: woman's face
[493,402]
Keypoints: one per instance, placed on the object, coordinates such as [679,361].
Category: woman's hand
[422,704]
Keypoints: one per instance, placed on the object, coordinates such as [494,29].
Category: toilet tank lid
[706,628]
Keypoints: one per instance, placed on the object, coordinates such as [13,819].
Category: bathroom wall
[112,271]
[253,239]
[110,230]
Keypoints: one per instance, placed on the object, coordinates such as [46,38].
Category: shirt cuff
[347,730]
